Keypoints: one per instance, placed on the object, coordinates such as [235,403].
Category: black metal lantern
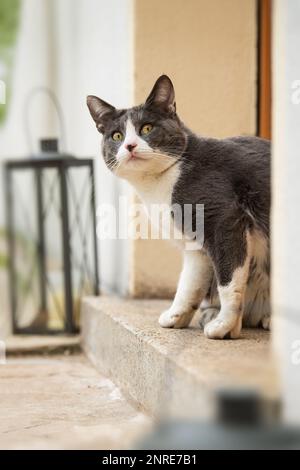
[50,205]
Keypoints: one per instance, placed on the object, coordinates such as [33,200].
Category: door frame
[264,121]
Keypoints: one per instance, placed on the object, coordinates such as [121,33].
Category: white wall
[286,201]
[31,69]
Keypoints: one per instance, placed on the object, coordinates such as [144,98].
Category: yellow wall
[208,48]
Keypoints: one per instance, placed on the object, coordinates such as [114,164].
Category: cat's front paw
[220,328]
[175,319]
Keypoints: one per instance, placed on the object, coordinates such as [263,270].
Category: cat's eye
[146,129]
[117,136]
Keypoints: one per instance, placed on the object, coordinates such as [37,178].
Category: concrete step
[171,372]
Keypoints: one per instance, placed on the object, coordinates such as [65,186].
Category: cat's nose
[130,147]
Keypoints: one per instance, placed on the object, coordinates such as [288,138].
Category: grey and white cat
[168,164]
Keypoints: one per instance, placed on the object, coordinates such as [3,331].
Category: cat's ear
[163,94]
[100,111]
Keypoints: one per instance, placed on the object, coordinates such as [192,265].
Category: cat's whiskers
[179,158]
[155,154]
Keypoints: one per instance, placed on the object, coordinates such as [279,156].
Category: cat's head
[145,139]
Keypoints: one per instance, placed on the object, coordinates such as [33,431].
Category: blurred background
[236,70]
[60,47]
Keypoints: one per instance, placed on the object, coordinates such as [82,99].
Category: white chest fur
[156,195]
[158,189]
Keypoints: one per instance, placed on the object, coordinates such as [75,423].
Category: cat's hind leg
[208,314]
[266,321]
[210,306]
[257,310]
[231,258]
[193,285]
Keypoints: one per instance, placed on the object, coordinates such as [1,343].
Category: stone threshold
[170,372]
[17,345]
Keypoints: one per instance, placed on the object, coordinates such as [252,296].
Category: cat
[167,163]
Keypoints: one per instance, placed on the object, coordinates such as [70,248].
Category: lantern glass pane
[54,268]
[25,249]
[81,235]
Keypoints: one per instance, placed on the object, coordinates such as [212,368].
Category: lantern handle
[54,100]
